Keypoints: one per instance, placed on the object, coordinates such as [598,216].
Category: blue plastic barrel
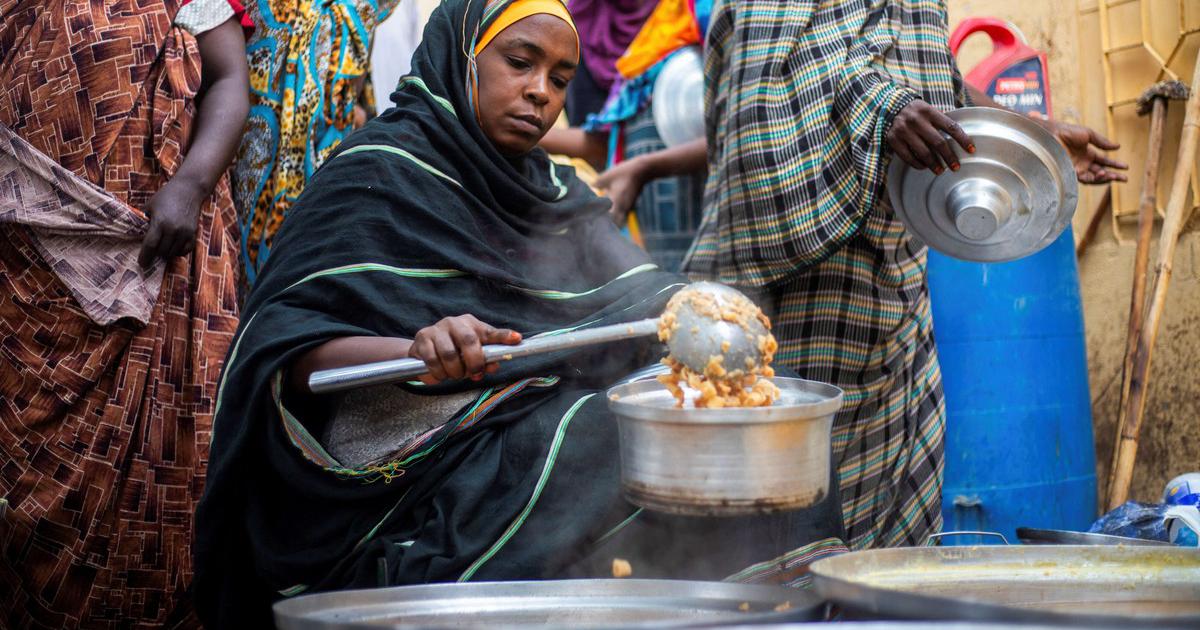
[1010,339]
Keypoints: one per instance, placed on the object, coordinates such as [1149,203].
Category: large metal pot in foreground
[718,462]
[1086,586]
[550,604]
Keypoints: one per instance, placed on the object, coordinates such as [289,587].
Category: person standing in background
[606,29]
[118,271]
[807,102]
[308,70]
[610,109]
[395,40]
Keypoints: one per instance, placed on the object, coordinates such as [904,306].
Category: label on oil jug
[1021,88]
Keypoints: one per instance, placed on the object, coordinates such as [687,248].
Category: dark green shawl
[416,218]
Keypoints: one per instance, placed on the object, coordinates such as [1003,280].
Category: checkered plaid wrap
[800,97]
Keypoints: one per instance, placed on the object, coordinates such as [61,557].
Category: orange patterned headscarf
[521,9]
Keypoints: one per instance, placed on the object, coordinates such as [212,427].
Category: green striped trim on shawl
[232,357]
[387,148]
[562,331]
[559,436]
[419,83]
[407,272]
[620,526]
[293,591]
[565,295]
[562,190]
[790,569]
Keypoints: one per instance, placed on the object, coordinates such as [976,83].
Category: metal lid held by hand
[1010,199]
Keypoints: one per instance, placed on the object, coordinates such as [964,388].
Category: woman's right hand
[921,136]
[453,348]
[622,184]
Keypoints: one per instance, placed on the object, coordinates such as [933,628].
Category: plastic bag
[1134,520]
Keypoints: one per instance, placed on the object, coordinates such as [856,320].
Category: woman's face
[523,76]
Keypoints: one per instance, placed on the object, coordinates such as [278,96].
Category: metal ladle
[696,340]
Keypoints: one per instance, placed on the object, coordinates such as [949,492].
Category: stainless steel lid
[649,400]
[678,108]
[1010,199]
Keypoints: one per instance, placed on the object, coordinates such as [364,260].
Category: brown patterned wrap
[87,237]
[104,427]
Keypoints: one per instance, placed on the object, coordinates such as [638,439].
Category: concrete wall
[1069,31]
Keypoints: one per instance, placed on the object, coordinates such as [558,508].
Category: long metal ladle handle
[355,376]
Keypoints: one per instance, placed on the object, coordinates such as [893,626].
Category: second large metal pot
[709,462]
[1080,586]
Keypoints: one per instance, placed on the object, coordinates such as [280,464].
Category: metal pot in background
[1010,199]
[550,604]
[725,462]
[1080,586]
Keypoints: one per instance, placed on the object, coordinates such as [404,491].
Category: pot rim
[828,403]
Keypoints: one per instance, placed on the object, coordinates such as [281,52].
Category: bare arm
[1082,143]
[223,104]
[682,159]
[342,352]
[577,143]
[979,98]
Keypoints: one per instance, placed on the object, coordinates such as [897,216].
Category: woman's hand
[220,115]
[622,184]
[173,212]
[453,348]
[1084,146]
[916,136]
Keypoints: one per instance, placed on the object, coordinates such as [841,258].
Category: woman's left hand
[173,211]
[622,184]
[1084,146]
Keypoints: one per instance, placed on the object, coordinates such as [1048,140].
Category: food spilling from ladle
[720,345]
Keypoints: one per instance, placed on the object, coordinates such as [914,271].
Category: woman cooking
[435,229]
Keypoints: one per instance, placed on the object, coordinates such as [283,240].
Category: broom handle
[1137,298]
[1132,414]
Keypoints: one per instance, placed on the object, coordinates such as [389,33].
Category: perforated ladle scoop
[697,338]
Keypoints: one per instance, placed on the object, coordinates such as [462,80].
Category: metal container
[1023,320]
[1010,199]
[550,604]
[679,109]
[1084,586]
[709,462]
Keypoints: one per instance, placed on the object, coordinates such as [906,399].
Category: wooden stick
[1131,420]
[1093,223]
[1137,299]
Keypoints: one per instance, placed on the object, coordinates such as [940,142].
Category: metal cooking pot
[550,604]
[710,462]
[1086,586]
[1010,199]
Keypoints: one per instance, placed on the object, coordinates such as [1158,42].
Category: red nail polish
[954,167]
[970,148]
